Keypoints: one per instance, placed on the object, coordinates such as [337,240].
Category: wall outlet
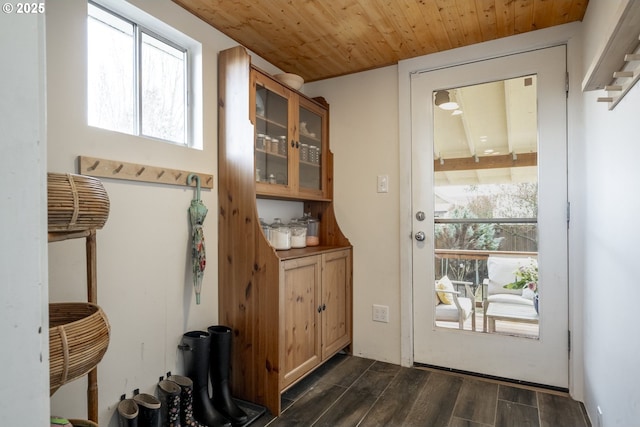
[599,422]
[380,313]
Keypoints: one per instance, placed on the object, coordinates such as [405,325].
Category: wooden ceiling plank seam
[523,16]
[486,16]
[469,21]
[321,51]
[542,10]
[356,54]
[504,18]
[388,14]
[424,38]
[433,20]
[561,12]
[451,20]
[578,9]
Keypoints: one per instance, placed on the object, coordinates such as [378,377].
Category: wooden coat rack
[115,169]
[617,66]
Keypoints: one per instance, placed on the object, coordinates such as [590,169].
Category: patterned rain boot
[186,401]
[169,394]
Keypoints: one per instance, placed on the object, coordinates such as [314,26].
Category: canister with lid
[266,229]
[298,234]
[280,235]
[313,238]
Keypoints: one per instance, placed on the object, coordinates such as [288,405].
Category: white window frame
[151,26]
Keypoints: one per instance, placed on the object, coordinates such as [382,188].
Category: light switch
[383,183]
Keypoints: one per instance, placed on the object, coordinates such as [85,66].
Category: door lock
[420,216]
[420,236]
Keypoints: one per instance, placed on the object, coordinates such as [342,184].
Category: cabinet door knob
[292,144]
[324,307]
[319,308]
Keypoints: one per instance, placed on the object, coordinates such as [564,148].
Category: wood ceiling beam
[486,162]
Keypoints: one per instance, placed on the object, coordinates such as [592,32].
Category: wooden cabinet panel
[336,301]
[301,293]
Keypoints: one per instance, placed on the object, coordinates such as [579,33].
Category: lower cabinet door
[300,300]
[336,301]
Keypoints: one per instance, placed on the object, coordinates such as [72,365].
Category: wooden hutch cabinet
[290,310]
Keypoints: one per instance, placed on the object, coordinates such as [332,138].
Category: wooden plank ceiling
[319,39]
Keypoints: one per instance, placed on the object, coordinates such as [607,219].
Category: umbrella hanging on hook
[197,213]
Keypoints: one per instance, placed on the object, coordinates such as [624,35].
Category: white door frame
[564,34]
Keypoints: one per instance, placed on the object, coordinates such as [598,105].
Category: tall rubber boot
[127,413]
[169,394]
[149,410]
[186,400]
[219,365]
[196,348]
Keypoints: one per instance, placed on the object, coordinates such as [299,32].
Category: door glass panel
[485,207]
[310,149]
[271,137]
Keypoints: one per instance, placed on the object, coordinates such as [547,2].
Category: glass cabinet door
[311,149]
[272,134]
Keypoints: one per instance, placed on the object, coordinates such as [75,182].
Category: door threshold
[495,379]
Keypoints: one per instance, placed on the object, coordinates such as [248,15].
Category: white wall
[610,241]
[23,228]
[363,137]
[143,252]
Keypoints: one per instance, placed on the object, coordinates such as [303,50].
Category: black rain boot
[186,401]
[127,413]
[169,394]
[149,410]
[220,363]
[196,348]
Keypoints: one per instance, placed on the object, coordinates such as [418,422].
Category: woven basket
[76,202]
[78,339]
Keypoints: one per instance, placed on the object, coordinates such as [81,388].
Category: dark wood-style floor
[352,391]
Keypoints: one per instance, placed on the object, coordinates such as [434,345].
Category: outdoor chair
[501,271]
[450,306]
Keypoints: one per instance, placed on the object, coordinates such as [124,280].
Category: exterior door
[470,160]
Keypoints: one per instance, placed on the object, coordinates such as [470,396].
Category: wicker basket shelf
[78,339]
[75,202]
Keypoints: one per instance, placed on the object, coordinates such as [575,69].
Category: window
[137,80]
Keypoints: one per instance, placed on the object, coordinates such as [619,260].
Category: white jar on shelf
[280,235]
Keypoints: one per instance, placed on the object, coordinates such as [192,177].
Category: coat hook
[118,169]
[178,176]
[140,171]
[160,174]
[94,166]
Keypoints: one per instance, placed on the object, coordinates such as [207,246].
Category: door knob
[420,236]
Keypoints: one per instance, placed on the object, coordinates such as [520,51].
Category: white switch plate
[383,183]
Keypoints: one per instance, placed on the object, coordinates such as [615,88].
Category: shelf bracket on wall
[103,168]
[616,67]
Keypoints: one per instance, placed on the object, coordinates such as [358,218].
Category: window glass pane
[163,90]
[110,77]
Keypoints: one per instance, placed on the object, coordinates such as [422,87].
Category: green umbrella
[197,213]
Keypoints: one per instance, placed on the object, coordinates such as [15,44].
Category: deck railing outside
[469,265]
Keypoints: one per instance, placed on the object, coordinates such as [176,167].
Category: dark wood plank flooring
[352,391]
